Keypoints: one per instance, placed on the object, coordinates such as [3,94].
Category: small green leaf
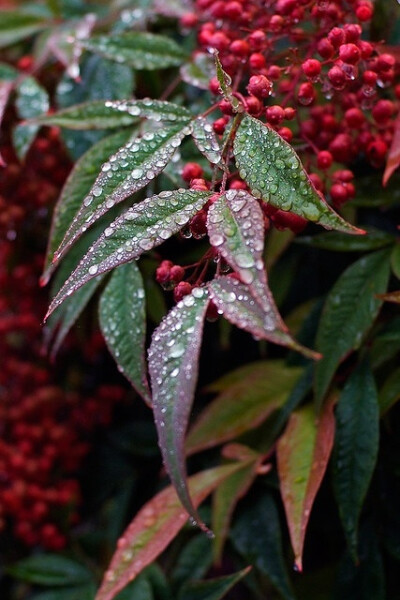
[303,453]
[340,242]
[130,169]
[225,81]
[257,536]
[139,229]
[173,366]
[16,26]
[95,114]
[389,393]
[199,72]
[356,448]
[349,311]
[211,589]
[140,50]
[225,499]
[123,325]
[32,100]
[154,527]
[254,392]
[50,569]
[275,174]
[77,186]
[206,140]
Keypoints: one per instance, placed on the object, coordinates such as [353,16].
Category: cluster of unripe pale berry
[306,70]
[46,432]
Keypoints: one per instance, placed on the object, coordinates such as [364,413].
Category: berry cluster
[305,68]
[45,430]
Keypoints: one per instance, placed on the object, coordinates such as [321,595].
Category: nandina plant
[233,152]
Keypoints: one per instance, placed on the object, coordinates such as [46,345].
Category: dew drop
[93,270]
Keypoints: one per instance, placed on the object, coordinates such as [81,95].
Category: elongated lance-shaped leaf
[32,99]
[129,170]
[95,114]
[108,114]
[173,365]
[349,311]
[77,186]
[303,453]
[138,230]
[236,302]
[154,527]
[274,173]
[248,396]
[145,51]
[206,140]
[356,448]
[18,25]
[122,313]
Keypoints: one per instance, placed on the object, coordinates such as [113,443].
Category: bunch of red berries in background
[306,69]
[45,430]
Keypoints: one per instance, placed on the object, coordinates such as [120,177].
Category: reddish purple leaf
[154,527]
[173,366]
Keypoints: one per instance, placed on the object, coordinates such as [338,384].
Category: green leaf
[173,366]
[32,99]
[18,25]
[340,242]
[356,448]
[130,169]
[158,110]
[154,527]
[225,499]
[7,72]
[349,312]
[206,140]
[303,452]
[140,50]
[395,260]
[212,589]
[389,393]
[77,186]
[275,174]
[199,72]
[385,344]
[194,560]
[123,324]
[140,589]
[257,536]
[139,229]
[236,302]
[50,569]
[95,114]
[225,81]
[254,392]
[85,592]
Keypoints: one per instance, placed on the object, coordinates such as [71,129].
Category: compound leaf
[173,366]
[274,173]
[139,229]
[122,315]
[154,527]
[356,448]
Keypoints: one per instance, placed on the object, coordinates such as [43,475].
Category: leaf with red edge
[154,527]
[393,159]
[173,366]
[303,452]
[236,302]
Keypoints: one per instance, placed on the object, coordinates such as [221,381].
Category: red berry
[275,114]
[191,171]
[257,61]
[257,39]
[259,86]
[336,36]
[383,111]
[233,10]
[365,12]
[219,126]
[385,62]
[254,106]
[240,48]
[182,289]
[354,118]
[349,53]
[290,113]
[339,194]
[376,152]
[324,159]
[325,48]
[286,133]
[214,86]
[337,77]
[311,68]
[306,94]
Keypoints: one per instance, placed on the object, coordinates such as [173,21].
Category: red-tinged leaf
[391,297]
[225,499]
[130,169]
[139,229]
[275,174]
[393,159]
[173,366]
[154,527]
[236,302]
[254,393]
[303,452]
